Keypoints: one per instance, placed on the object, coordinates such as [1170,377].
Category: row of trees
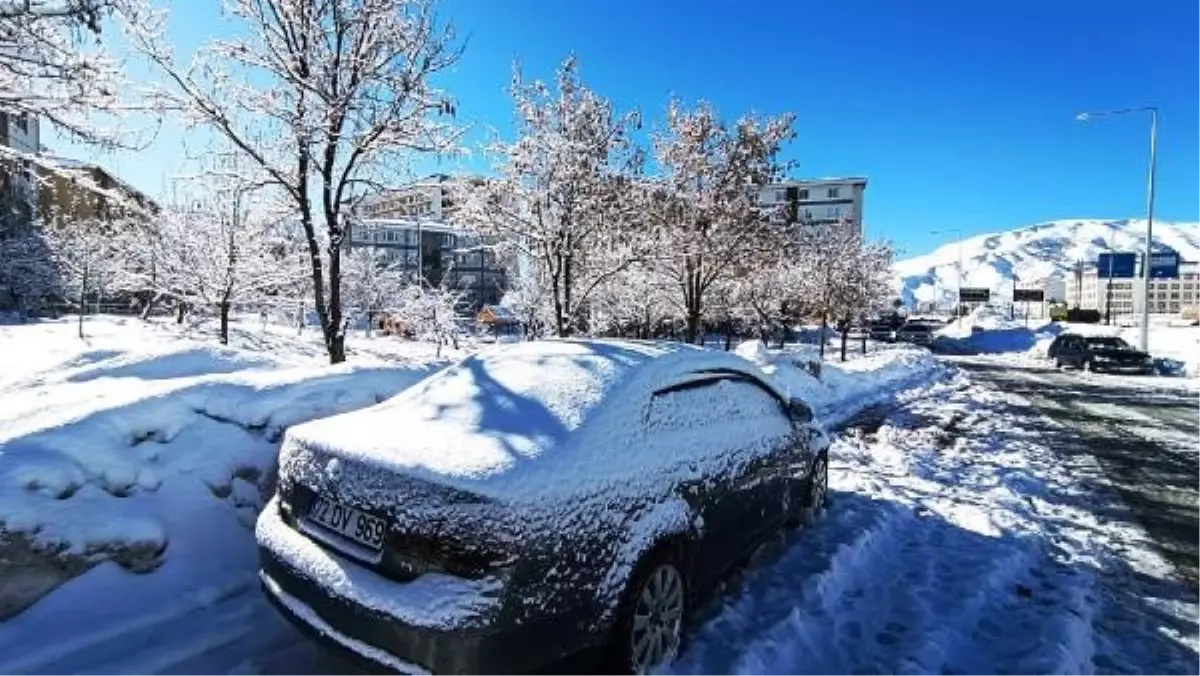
[322,103]
[612,249]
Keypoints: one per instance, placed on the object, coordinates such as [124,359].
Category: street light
[958,232]
[1153,110]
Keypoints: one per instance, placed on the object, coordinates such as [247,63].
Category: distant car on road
[534,500]
[882,331]
[917,334]
[1099,353]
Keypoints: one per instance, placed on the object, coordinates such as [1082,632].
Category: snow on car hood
[497,424]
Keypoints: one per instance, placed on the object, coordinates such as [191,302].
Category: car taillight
[411,555]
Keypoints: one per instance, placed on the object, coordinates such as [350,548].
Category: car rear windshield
[1106,341]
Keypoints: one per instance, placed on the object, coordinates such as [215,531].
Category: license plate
[348,522]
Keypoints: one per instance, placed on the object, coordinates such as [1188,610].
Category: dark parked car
[1100,353]
[1052,350]
[535,500]
[917,334]
[882,331]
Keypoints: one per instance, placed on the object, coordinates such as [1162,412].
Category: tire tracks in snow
[954,543]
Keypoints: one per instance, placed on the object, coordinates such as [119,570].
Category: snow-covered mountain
[1033,252]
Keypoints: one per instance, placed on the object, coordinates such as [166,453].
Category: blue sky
[959,112]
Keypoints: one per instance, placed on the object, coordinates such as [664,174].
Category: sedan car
[535,500]
[917,334]
[882,332]
[1101,353]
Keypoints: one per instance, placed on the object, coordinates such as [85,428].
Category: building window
[780,195]
[22,122]
[833,193]
[804,194]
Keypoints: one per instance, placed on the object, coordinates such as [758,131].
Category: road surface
[1143,433]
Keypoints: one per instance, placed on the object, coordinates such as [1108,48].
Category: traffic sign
[974,295]
[1164,265]
[1028,295]
[1116,265]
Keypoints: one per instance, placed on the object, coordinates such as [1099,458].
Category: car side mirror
[799,411]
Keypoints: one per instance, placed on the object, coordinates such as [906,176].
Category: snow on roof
[409,224]
[492,422]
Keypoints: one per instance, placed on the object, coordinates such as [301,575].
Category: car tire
[1090,366]
[652,615]
[817,491]
[1058,363]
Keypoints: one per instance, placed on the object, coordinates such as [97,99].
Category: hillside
[1033,252]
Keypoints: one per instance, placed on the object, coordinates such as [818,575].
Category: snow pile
[989,330]
[843,389]
[956,541]
[137,451]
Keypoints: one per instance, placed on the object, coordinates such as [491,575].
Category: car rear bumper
[478,644]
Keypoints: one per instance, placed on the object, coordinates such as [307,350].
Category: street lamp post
[958,233]
[1144,334]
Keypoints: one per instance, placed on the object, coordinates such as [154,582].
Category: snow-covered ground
[1174,344]
[956,541]
[133,465]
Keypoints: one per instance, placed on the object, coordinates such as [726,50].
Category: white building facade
[1088,291]
[818,202]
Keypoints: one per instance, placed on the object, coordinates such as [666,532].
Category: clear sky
[959,112]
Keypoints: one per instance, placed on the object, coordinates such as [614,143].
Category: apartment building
[414,224]
[435,252]
[1089,291]
[79,192]
[818,202]
[18,189]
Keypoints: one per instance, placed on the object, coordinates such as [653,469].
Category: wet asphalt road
[1143,432]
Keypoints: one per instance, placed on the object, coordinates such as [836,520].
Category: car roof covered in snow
[512,408]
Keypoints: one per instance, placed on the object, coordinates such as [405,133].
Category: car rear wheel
[649,630]
[818,490]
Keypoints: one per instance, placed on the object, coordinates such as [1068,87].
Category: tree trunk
[728,335]
[335,332]
[864,342]
[223,309]
[370,322]
[821,336]
[149,306]
[845,337]
[180,309]
[83,282]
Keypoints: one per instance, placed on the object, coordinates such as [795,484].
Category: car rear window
[1106,341]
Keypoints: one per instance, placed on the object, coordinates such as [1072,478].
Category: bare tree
[324,98]
[562,198]
[374,283]
[84,257]
[708,223]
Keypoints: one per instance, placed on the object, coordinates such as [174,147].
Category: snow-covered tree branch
[706,218]
[563,199]
[320,97]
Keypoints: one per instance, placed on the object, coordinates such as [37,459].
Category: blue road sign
[1164,265]
[1116,265]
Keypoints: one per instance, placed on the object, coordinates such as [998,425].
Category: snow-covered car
[535,500]
[1101,353]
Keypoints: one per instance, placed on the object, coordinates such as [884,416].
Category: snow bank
[843,389]
[138,451]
